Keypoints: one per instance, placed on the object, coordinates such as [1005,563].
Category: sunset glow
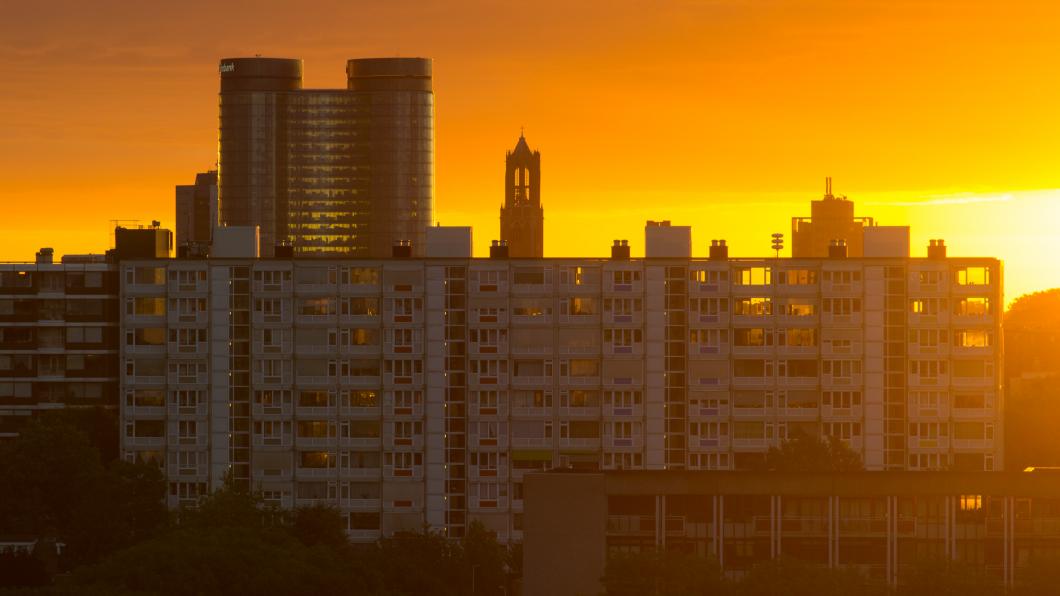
[723,115]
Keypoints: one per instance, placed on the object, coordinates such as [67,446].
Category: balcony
[532,381]
[186,472]
[636,411]
[488,379]
[853,380]
[284,410]
[709,382]
[592,412]
[413,474]
[272,288]
[304,289]
[361,382]
[416,348]
[579,320]
[314,380]
[634,319]
[146,412]
[316,473]
[315,412]
[360,473]
[532,412]
[580,443]
[708,411]
[708,444]
[196,441]
[196,349]
[314,349]
[364,350]
[973,444]
[532,289]
[363,319]
[361,442]
[752,444]
[929,443]
[477,440]
[144,442]
[532,320]
[623,444]
[536,442]
[586,381]
[618,351]
[279,442]
[178,411]
[273,475]
[403,443]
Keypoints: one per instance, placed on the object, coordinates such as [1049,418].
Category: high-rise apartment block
[197,212]
[522,217]
[330,172]
[59,329]
[410,391]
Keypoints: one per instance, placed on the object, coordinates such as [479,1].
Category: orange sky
[722,114]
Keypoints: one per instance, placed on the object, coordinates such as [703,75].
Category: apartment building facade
[58,337]
[409,391]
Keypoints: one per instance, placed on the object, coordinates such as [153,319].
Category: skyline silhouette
[689,112]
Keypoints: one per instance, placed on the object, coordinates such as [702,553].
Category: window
[751,337]
[841,306]
[360,276]
[752,307]
[798,277]
[798,309]
[973,276]
[145,306]
[802,337]
[973,338]
[360,307]
[316,306]
[151,276]
[753,276]
[974,306]
[927,339]
[841,369]
[841,400]
[928,306]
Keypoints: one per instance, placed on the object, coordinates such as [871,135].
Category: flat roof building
[410,391]
[882,524]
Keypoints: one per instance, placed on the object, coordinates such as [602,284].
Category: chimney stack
[45,256]
[620,250]
[499,249]
[936,249]
[402,249]
[719,251]
[837,249]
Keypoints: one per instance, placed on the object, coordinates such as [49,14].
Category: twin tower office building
[327,172]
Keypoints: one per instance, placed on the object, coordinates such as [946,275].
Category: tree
[798,578]
[53,485]
[44,475]
[1032,380]
[803,453]
[319,525]
[662,573]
